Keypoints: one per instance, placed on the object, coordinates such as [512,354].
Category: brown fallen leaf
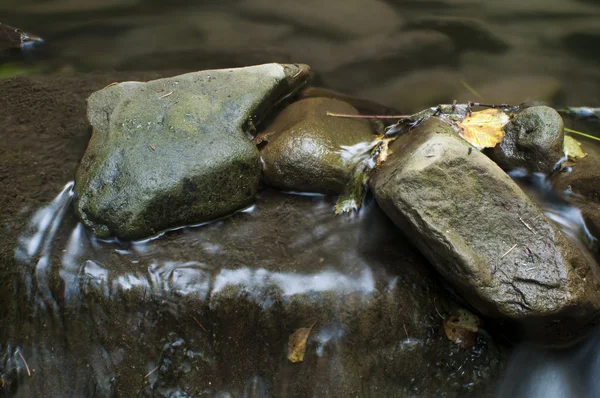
[297,344]
[461,328]
[483,129]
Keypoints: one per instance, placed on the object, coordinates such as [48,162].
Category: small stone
[533,140]
[304,146]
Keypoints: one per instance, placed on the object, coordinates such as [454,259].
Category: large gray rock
[533,140]
[174,151]
[466,216]
[304,150]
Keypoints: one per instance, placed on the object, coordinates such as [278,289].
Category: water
[207,311]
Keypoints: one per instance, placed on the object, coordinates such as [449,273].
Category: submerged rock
[467,33]
[485,236]
[533,140]
[515,89]
[174,151]
[304,150]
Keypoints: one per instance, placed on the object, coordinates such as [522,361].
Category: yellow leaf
[297,344]
[572,148]
[484,129]
[461,328]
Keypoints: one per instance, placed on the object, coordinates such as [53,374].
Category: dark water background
[86,313]
[407,54]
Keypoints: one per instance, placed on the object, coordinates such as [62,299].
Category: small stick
[159,90]
[367,116]
[152,371]
[405,332]
[199,324]
[152,147]
[166,95]
[509,250]
[528,227]
[110,85]
[25,362]
[436,310]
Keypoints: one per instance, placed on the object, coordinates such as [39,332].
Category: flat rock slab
[484,235]
[207,310]
[174,151]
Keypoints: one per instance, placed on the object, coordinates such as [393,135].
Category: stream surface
[207,310]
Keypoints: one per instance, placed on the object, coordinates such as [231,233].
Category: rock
[418,90]
[174,151]
[336,18]
[515,90]
[304,144]
[533,140]
[580,182]
[467,33]
[580,43]
[582,177]
[466,216]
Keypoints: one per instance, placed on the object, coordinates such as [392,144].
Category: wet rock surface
[174,151]
[208,310]
[304,144]
[485,236]
[533,140]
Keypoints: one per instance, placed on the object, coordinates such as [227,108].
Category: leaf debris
[297,344]
[462,327]
[509,250]
[483,129]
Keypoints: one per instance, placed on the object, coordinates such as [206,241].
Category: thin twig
[509,250]
[436,310]
[110,85]
[199,324]
[153,148]
[405,332]
[528,227]
[367,116]
[25,362]
[165,95]
[152,371]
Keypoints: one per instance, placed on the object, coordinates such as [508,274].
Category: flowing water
[207,310]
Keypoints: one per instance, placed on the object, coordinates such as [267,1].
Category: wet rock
[485,236]
[337,18]
[174,151]
[467,33]
[304,146]
[581,177]
[579,181]
[533,140]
